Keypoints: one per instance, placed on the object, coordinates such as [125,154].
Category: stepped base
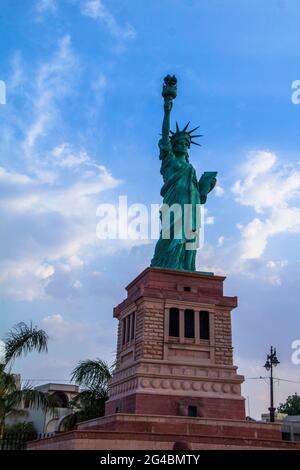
[142,432]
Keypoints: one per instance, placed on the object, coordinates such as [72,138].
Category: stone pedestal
[174,348]
[175,379]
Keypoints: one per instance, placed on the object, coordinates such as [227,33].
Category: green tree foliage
[20,341]
[21,428]
[291,406]
[92,376]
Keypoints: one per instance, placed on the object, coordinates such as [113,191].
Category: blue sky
[80,127]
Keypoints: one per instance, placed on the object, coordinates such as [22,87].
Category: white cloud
[275,264]
[44,6]
[218,190]
[24,278]
[275,280]
[17,76]
[70,341]
[45,271]
[25,193]
[265,183]
[255,234]
[269,188]
[75,261]
[48,208]
[77,284]
[48,226]
[12,177]
[97,10]
[221,240]
[58,328]
[66,158]
[208,219]
[100,83]
[98,86]
[55,319]
[53,82]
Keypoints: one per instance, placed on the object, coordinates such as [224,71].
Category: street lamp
[270,362]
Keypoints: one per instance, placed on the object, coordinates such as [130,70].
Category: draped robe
[181,188]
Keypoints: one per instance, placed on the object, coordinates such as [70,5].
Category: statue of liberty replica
[182,192]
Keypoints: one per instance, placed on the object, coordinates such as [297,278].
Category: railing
[17,441]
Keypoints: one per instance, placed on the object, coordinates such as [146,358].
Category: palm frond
[69,422]
[92,374]
[88,404]
[17,412]
[88,398]
[31,398]
[8,382]
[23,339]
[28,396]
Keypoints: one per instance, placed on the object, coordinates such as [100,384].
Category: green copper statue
[181,191]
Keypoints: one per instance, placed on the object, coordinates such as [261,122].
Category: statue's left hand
[207,183]
[212,184]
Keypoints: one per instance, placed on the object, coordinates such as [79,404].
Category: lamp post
[270,362]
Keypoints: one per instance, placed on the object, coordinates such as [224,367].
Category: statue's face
[181,147]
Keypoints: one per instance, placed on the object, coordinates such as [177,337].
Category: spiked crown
[179,134]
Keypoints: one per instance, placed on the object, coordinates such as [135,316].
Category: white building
[291,428]
[290,425]
[49,422]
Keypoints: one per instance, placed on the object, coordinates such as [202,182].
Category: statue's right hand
[168,105]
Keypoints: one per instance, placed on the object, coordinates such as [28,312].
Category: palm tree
[21,340]
[93,377]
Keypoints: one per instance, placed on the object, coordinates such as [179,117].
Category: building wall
[46,422]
